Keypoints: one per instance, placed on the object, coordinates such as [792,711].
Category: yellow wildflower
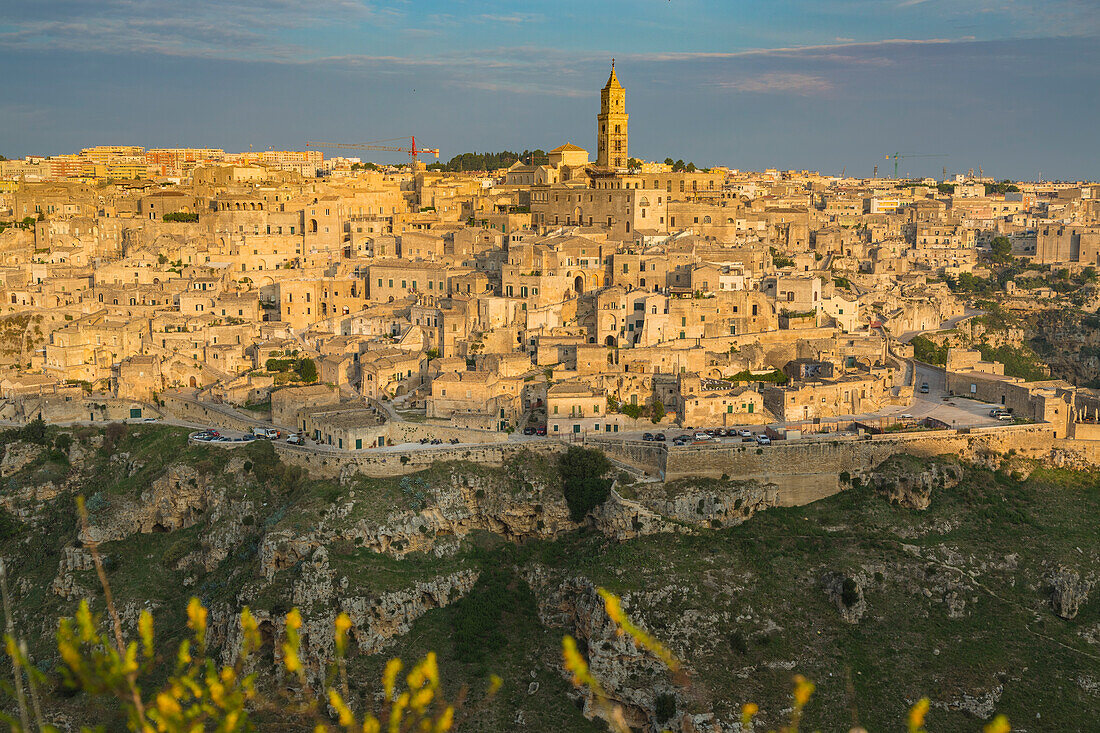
[389,677]
[998,725]
[294,619]
[917,713]
[343,624]
[803,688]
[145,631]
[347,719]
[748,712]
[446,720]
[196,620]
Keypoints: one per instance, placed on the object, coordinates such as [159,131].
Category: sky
[1008,86]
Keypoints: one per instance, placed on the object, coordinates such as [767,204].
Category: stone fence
[395,462]
[809,469]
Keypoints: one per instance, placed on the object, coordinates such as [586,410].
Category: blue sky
[1009,85]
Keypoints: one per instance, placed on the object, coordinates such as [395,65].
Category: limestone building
[611,136]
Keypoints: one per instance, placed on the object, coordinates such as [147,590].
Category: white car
[295,440]
[745,433]
[905,416]
[763,440]
[702,436]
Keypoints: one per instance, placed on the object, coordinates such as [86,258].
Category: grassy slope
[765,573]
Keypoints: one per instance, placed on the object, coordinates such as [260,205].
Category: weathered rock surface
[909,482]
[1069,591]
[846,593]
[175,500]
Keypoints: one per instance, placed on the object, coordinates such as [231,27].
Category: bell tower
[611,125]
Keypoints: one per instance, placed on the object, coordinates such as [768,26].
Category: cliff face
[940,562]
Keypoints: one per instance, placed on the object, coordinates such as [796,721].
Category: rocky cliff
[978,577]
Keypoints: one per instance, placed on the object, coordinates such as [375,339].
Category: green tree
[182,216]
[633,164]
[307,370]
[582,473]
[1001,249]
[656,411]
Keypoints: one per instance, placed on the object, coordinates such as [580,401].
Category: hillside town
[355,306]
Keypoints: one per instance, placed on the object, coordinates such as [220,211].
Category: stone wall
[184,408]
[389,462]
[810,469]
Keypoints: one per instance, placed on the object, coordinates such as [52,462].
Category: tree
[307,370]
[669,161]
[657,411]
[633,164]
[185,216]
[1001,248]
[582,473]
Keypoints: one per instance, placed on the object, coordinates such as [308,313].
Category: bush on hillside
[582,473]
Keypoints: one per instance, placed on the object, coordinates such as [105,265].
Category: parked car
[1005,416]
[763,440]
[540,430]
[529,430]
[296,440]
[745,433]
[924,388]
[702,436]
[647,436]
[659,437]
[905,416]
[149,419]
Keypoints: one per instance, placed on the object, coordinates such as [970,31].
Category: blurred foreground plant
[201,695]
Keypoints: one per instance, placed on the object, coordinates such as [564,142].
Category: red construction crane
[413,151]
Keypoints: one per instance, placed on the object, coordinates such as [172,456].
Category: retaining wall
[378,463]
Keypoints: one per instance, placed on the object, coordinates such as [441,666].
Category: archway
[193,382]
[313,226]
[578,284]
[609,341]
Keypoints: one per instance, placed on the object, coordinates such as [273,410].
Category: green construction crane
[900,156]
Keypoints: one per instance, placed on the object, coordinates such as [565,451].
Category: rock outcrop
[846,593]
[1069,591]
[910,481]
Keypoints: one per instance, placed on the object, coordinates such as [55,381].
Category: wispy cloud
[778,83]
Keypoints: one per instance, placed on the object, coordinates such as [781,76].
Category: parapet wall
[380,463]
[806,470]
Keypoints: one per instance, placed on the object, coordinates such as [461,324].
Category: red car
[541,430]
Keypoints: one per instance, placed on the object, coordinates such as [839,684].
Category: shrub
[849,593]
[183,216]
[34,431]
[113,434]
[63,442]
[307,370]
[582,473]
[665,707]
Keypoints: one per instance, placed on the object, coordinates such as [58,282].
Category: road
[947,325]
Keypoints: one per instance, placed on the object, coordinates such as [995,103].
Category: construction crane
[901,156]
[412,151]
